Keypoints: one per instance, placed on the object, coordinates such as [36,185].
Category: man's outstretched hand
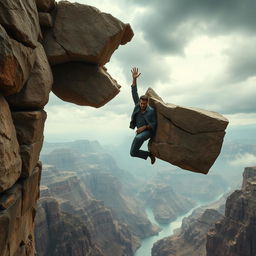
[135,75]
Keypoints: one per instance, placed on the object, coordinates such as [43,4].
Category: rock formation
[165,203]
[58,233]
[34,36]
[187,137]
[248,175]
[79,75]
[191,238]
[98,172]
[234,235]
[110,236]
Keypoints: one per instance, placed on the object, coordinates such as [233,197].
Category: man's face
[143,104]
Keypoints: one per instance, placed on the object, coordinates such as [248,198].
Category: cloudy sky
[198,53]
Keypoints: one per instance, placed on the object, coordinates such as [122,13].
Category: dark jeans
[137,143]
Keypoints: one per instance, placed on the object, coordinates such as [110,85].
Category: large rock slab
[83,33]
[16,63]
[35,93]
[10,161]
[21,20]
[190,138]
[84,84]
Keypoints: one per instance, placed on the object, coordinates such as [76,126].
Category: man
[144,118]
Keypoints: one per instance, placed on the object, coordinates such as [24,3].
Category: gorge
[76,197]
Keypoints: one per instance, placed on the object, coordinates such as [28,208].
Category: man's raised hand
[135,75]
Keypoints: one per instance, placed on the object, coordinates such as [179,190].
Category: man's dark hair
[144,97]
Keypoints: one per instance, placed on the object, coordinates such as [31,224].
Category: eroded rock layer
[58,233]
[235,234]
[110,236]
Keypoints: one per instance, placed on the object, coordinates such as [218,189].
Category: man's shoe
[152,158]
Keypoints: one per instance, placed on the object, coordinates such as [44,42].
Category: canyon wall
[40,41]
[234,235]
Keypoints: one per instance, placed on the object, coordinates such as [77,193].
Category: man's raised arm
[135,75]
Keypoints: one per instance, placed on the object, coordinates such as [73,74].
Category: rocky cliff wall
[235,234]
[40,41]
[111,236]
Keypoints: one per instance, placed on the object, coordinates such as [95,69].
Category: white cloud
[244,160]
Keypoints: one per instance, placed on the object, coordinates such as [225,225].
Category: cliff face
[58,233]
[110,236]
[234,235]
[31,36]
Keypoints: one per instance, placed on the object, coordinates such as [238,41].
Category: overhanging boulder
[84,84]
[83,33]
[190,138]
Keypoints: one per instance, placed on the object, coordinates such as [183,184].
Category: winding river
[167,230]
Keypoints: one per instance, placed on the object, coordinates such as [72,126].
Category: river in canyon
[167,230]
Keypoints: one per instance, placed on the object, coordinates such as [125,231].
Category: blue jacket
[149,114]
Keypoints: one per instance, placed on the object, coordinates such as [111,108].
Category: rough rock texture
[45,5]
[10,161]
[165,203]
[191,239]
[45,20]
[58,233]
[99,35]
[17,213]
[248,175]
[30,127]
[184,134]
[16,62]
[75,200]
[235,234]
[20,18]
[35,93]
[84,84]
[25,81]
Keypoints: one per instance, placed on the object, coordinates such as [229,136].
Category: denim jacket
[149,114]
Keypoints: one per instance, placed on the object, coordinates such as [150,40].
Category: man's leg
[137,143]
